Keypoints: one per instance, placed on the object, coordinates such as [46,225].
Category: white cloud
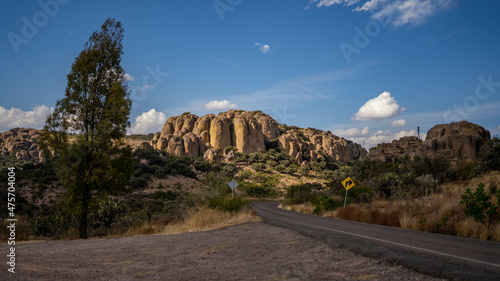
[353,132]
[148,122]
[398,123]
[220,105]
[145,87]
[368,139]
[328,3]
[263,48]
[15,117]
[399,12]
[129,77]
[379,108]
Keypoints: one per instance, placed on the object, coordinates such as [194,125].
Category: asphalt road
[451,257]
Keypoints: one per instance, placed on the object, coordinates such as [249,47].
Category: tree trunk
[84,213]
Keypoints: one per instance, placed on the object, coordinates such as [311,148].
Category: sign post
[233,184]
[347,184]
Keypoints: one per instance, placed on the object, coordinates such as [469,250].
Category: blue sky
[370,71]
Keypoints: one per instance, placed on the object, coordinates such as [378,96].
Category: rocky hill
[453,141]
[21,144]
[248,132]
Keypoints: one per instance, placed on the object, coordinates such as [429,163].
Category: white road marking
[398,244]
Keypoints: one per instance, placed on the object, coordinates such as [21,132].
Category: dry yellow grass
[201,220]
[439,212]
[206,219]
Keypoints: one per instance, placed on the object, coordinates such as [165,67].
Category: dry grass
[201,220]
[438,212]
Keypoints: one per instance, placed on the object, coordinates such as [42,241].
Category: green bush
[227,204]
[304,170]
[202,165]
[256,190]
[301,193]
[479,206]
[291,170]
[258,166]
[491,159]
[324,203]
[106,213]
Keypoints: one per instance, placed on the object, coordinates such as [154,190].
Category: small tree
[96,107]
[479,206]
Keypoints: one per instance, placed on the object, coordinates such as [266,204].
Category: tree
[85,133]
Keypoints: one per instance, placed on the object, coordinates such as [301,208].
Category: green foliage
[97,106]
[479,206]
[258,190]
[107,212]
[325,203]
[202,165]
[229,149]
[304,170]
[491,159]
[11,161]
[258,166]
[301,193]
[291,170]
[425,184]
[226,203]
[441,223]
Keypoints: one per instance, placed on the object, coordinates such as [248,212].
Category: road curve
[445,256]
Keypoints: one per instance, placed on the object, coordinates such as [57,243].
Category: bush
[479,206]
[325,203]
[227,204]
[106,213]
[291,170]
[304,170]
[426,183]
[301,193]
[202,165]
[258,166]
[491,159]
[256,190]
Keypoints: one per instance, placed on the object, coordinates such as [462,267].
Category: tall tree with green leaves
[85,133]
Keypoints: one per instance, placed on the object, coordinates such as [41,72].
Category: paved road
[440,255]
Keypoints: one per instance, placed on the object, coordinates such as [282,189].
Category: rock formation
[21,144]
[453,141]
[312,143]
[248,131]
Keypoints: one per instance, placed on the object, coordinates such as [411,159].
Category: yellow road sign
[348,183]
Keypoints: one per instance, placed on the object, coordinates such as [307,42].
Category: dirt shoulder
[252,251]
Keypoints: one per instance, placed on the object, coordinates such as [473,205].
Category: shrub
[291,170]
[301,193]
[304,170]
[491,159]
[426,183]
[325,203]
[106,213]
[258,166]
[229,149]
[280,167]
[479,206]
[202,165]
[227,204]
[256,190]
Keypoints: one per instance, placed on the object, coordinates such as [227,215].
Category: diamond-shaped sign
[348,183]
[233,184]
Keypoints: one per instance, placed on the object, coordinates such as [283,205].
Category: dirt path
[253,251]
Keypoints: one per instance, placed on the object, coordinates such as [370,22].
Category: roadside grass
[439,212]
[200,220]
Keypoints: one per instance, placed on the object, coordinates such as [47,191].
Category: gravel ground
[252,251]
